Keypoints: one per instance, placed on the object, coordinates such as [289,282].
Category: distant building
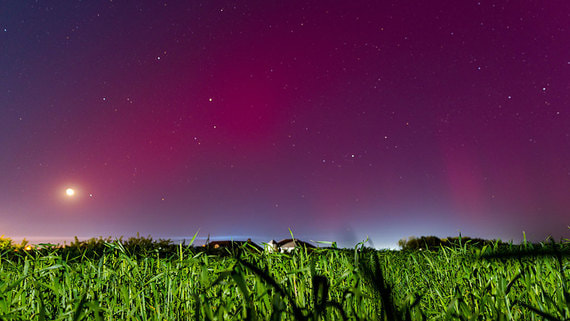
[287,245]
[271,246]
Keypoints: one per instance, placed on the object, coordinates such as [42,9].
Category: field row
[363,284]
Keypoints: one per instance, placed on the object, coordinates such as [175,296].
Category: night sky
[337,119]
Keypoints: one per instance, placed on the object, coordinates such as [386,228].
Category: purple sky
[246,118]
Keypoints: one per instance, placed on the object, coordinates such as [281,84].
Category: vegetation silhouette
[434,243]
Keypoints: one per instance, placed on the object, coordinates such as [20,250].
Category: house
[271,246]
[287,245]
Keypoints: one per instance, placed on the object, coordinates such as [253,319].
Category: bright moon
[69,192]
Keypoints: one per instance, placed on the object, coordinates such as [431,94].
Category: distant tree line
[139,246]
[435,243]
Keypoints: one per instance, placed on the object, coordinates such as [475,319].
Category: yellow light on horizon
[70,192]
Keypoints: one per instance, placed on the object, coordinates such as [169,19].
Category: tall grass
[174,282]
